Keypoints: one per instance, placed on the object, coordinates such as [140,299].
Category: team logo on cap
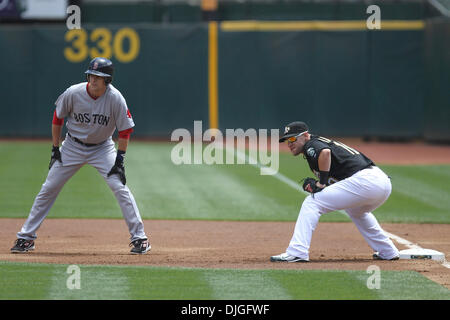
[286,129]
[95,66]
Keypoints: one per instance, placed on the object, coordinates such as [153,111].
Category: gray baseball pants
[74,156]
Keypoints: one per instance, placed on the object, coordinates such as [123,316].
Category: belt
[370,166]
[82,143]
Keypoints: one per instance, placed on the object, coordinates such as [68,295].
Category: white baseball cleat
[376,256]
[284,257]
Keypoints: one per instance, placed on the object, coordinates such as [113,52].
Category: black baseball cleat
[22,246]
[140,246]
[376,256]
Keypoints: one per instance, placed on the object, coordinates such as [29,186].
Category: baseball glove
[118,167]
[56,155]
[310,185]
[120,170]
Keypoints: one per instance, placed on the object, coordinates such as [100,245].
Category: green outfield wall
[161,71]
[437,97]
[351,82]
[341,83]
[176,12]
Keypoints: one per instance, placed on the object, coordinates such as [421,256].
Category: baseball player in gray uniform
[94,110]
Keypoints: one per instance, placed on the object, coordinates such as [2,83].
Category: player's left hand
[311,185]
[120,170]
[118,167]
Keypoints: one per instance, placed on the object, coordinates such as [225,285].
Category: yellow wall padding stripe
[344,25]
[213,76]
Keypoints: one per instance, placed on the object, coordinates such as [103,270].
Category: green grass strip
[42,281]
[164,190]
[244,284]
[421,194]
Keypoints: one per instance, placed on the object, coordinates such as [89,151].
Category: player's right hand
[56,155]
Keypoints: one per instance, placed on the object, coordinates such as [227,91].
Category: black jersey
[345,161]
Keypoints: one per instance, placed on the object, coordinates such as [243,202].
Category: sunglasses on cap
[294,138]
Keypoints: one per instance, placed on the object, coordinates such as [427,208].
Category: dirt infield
[220,244]
[245,245]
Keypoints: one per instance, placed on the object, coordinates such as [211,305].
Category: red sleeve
[57,121]
[125,134]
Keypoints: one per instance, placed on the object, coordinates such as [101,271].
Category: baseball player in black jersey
[346,180]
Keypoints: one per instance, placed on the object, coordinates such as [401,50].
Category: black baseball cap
[293,129]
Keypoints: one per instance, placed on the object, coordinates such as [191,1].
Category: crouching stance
[94,110]
[347,180]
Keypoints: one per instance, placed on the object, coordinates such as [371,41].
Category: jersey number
[339,144]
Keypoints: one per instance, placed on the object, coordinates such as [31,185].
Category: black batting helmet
[101,67]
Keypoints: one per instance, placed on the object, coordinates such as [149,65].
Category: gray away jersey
[93,120]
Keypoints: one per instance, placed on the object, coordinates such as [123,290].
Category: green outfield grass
[163,190]
[43,281]
[212,192]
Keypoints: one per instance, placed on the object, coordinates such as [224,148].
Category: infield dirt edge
[220,244]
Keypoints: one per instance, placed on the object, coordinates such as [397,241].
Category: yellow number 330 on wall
[101,37]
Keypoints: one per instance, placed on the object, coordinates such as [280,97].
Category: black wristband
[324,177]
[55,148]
[120,156]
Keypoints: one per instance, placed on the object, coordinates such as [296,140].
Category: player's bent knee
[50,188]
[309,201]
[312,205]
[115,184]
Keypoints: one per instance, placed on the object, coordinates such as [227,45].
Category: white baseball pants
[74,156]
[358,195]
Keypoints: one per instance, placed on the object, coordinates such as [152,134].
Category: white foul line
[296,186]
